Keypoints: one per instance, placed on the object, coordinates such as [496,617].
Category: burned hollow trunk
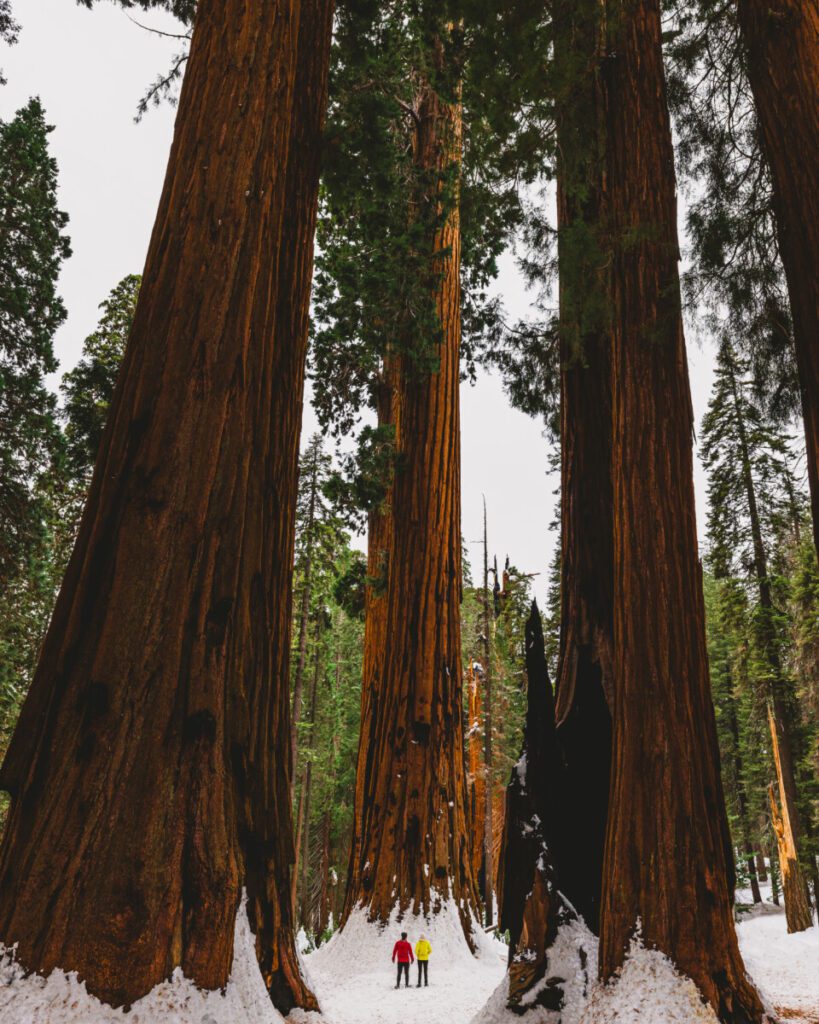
[530,904]
[147,789]
[668,859]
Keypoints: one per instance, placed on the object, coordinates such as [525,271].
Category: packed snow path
[354,977]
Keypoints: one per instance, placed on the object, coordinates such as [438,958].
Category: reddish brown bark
[794,887]
[782,42]
[146,789]
[379,544]
[668,860]
[412,843]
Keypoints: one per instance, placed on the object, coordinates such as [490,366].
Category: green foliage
[8,29]
[736,274]
[377,263]
[32,249]
[760,599]
[58,492]
[88,388]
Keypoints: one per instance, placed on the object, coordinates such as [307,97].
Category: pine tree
[783,69]
[33,246]
[165,669]
[88,388]
[750,484]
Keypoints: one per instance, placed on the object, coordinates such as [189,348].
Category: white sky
[90,68]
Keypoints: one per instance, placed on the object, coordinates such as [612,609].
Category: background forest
[389,271]
[761,581]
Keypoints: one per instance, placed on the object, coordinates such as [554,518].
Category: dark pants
[405,969]
[422,969]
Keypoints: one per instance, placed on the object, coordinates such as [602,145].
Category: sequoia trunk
[780,37]
[147,788]
[412,841]
[668,860]
[584,676]
[379,544]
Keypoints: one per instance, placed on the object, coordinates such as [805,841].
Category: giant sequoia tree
[667,860]
[149,770]
[414,837]
[584,680]
[421,196]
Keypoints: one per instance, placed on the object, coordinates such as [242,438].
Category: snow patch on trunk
[63,999]
[648,989]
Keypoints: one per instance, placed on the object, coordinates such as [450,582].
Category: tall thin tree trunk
[304,614]
[324,903]
[761,869]
[742,799]
[475,775]
[412,840]
[780,37]
[778,714]
[488,835]
[668,859]
[308,782]
[584,675]
[797,905]
[303,826]
[147,787]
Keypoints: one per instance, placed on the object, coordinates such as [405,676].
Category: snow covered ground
[785,967]
[354,977]
[62,999]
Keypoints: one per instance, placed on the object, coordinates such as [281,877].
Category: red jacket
[403,950]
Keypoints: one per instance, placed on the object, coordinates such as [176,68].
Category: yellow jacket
[422,949]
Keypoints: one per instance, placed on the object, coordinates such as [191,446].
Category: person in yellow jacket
[422,951]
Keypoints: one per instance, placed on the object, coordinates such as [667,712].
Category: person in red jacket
[402,951]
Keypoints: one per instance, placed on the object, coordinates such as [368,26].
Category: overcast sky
[90,68]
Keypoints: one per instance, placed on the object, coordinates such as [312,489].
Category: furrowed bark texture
[379,544]
[782,42]
[412,848]
[146,787]
[668,859]
[584,676]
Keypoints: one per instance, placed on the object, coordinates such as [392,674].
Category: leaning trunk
[780,38]
[147,791]
[668,860]
[794,887]
[412,842]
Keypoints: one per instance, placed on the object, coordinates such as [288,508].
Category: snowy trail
[786,967]
[354,978]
